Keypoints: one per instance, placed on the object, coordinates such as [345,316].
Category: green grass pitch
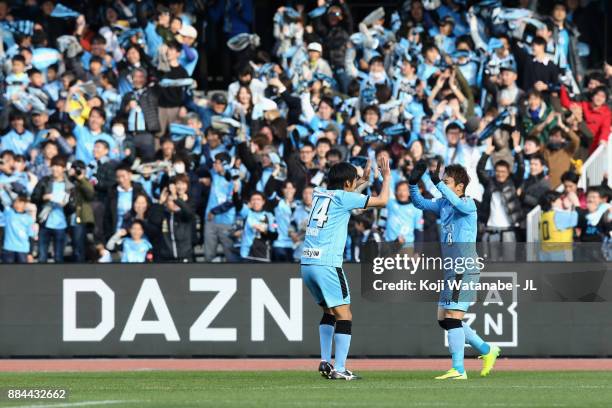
[308,389]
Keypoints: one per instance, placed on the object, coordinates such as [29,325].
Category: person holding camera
[260,229]
[55,199]
[83,219]
[174,220]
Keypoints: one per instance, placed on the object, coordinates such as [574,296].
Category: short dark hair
[376,58]
[99,111]
[502,163]
[123,167]
[58,161]
[308,144]
[400,184]
[339,174]
[539,41]
[333,152]
[257,193]
[175,45]
[98,39]
[18,58]
[328,101]
[600,89]
[570,176]
[324,140]
[548,198]
[540,157]
[534,139]
[596,189]
[182,178]
[103,143]
[458,173]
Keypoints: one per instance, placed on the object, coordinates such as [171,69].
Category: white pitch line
[76,404]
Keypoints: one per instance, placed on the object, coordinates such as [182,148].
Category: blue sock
[456,343]
[475,340]
[326,336]
[342,337]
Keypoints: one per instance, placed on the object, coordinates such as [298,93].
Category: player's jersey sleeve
[351,201]
[421,202]
[463,205]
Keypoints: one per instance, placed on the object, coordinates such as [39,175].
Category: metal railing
[593,171]
[595,167]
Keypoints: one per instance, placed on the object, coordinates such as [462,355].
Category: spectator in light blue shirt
[18,139]
[220,211]
[136,247]
[87,136]
[19,228]
[53,196]
[282,248]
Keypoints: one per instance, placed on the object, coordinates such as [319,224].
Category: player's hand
[385,167]
[435,176]
[365,176]
[419,169]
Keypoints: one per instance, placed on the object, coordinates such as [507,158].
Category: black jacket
[45,186]
[147,100]
[533,188]
[510,199]
[110,213]
[174,237]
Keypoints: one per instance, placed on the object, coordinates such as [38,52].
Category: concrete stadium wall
[252,310]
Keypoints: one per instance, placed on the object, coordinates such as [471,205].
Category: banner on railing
[257,310]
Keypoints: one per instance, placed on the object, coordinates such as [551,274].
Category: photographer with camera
[83,219]
[174,221]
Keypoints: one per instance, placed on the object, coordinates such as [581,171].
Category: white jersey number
[319,214]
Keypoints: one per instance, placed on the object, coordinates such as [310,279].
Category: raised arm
[416,197]
[465,206]
[382,199]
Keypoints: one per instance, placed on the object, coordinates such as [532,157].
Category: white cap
[315,46]
[188,31]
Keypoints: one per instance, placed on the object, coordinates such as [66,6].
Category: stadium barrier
[238,310]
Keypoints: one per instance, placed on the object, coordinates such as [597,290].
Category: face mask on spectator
[179,168]
[118,131]
[377,77]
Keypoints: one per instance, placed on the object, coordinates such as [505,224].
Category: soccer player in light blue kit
[321,262]
[458,221]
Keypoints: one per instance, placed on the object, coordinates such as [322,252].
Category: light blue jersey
[85,143]
[135,252]
[282,214]
[17,231]
[327,226]
[458,237]
[402,220]
[17,143]
[250,234]
[458,216]
[221,192]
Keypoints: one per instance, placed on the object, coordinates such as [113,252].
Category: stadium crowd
[111,151]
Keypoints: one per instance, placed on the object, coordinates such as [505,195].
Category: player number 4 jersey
[327,226]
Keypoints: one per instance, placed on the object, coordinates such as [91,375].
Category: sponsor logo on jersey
[311,253]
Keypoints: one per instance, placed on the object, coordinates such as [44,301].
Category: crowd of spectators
[113,152]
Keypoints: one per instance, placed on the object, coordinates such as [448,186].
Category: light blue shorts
[458,299]
[327,284]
